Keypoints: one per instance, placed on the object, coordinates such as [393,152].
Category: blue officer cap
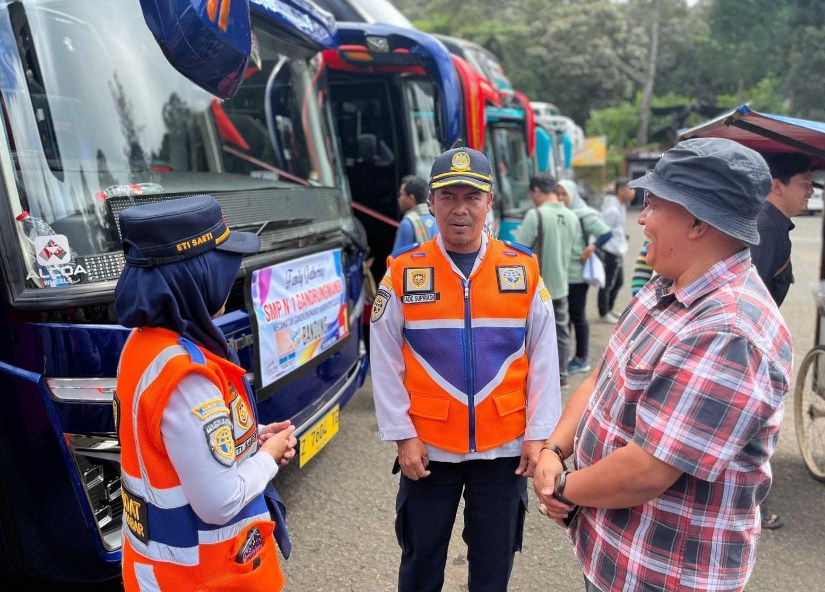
[177,229]
[462,166]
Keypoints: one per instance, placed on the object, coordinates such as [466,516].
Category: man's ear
[698,229]
[776,186]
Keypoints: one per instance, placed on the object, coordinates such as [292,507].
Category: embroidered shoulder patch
[379,305]
[386,282]
[221,442]
[544,293]
[511,278]
[240,413]
[210,408]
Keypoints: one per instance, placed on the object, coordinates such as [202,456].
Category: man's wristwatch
[558,489]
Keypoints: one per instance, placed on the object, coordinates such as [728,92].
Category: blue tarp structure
[765,132]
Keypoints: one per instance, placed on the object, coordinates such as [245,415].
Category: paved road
[341,505]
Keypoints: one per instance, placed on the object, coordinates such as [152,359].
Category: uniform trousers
[495,502]
[614,280]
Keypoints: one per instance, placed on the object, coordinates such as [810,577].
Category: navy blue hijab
[182,296]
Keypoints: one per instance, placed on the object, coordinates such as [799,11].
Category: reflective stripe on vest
[174,530]
[464,346]
[420,231]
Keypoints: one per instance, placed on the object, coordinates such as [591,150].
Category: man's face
[667,225]
[795,195]
[460,212]
[405,200]
[626,194]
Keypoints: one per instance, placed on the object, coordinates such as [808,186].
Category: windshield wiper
[271,224]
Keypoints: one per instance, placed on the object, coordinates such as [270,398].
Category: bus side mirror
[210,43]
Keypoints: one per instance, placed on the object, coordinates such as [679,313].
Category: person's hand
[529,457]
[544,480]
[280,445]
[413,458]
[588,250]
[267,431]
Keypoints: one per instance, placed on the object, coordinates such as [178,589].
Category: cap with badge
[178,229]
[462,166]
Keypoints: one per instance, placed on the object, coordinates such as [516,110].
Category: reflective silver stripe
[173,497]
[435,324]
[147,582]
[152,371]
[208,537]
[500,375]
[509,323]
[459,323]
[188,556]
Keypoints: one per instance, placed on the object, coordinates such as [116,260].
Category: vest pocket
[429,407]
[510,402]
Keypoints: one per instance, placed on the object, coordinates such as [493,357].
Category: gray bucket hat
[719,181]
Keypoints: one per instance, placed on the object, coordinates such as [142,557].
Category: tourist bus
[98,116]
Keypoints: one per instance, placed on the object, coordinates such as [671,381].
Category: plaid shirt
[697,379]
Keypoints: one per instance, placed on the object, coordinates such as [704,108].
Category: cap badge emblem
[461,161]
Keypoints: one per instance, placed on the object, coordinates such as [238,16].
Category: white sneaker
[610,318]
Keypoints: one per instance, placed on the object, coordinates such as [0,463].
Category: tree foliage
[592,58]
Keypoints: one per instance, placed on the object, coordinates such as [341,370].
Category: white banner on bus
[301,311]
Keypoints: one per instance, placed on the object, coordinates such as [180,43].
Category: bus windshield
[426,147]
[93,124]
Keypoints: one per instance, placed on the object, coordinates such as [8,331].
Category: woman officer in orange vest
[194,462]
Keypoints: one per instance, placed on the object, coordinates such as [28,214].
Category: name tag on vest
[418,298]
[136,514]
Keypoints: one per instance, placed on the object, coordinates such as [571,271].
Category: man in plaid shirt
[673,432]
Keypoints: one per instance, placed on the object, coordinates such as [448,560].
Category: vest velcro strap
[195,354]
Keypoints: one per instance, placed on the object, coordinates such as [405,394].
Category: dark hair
[785,165]
[417,187]
[621,182]
[544,183]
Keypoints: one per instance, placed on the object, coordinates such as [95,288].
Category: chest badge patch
[418,279]
[220,439]
[511,278]
[419,285]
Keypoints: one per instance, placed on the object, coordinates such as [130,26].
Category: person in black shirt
[791,188]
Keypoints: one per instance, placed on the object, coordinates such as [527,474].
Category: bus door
[394,97]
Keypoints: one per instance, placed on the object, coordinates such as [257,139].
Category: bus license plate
[318,436]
